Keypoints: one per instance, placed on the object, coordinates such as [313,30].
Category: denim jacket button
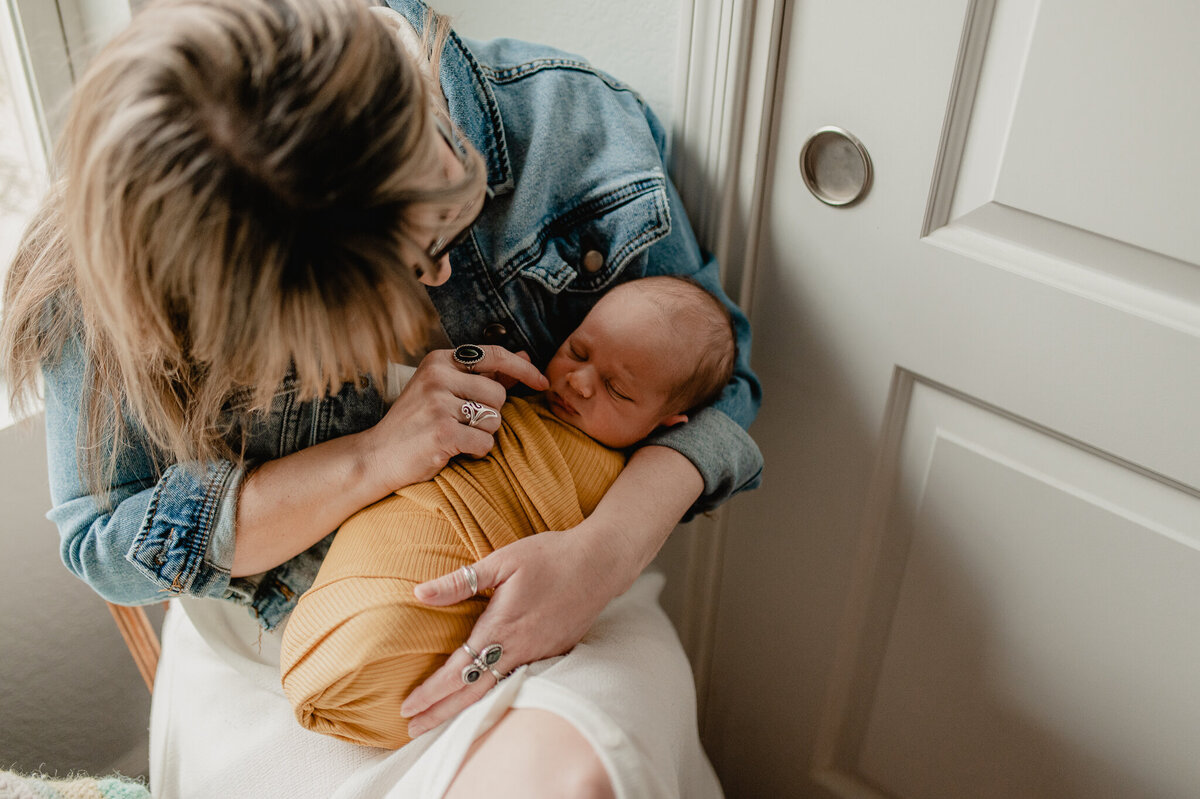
[593,261]
[494,333]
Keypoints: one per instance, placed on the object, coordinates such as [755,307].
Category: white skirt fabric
[221,726]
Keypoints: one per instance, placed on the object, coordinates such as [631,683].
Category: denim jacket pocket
[584,249]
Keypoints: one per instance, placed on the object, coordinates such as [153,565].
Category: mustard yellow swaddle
[358,642]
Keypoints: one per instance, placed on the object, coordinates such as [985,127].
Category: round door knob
[835,166]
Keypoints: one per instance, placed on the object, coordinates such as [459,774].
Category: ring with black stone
[481,662]
[467,356]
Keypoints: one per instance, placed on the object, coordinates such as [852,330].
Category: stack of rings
[481,662]
[468,356]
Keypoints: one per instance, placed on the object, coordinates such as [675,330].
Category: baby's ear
[672,420]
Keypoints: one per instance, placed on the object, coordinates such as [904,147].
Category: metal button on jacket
[494,333]
[593,261]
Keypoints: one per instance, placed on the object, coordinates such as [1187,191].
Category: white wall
[635,40]
[70,695]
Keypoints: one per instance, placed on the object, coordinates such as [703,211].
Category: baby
[358,642]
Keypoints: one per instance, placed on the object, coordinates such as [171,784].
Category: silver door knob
[836,166]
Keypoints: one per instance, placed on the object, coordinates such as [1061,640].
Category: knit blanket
[36,786]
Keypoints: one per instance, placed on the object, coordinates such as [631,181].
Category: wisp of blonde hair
[229,207]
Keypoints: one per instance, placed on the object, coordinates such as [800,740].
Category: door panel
[1032,605]
[973,568]
[1103,124]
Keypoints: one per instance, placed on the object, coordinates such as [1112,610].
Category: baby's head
[649,352]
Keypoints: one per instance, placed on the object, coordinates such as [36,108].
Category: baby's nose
[580,384]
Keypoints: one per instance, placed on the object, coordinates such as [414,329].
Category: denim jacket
[575,163]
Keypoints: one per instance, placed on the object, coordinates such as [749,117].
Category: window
[22,149]
[43,44]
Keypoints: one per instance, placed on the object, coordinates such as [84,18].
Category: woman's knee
[532,753]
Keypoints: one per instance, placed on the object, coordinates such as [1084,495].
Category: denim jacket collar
[469,98]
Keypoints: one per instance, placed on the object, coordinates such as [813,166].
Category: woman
[251,195]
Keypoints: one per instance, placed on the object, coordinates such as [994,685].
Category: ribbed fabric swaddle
[358,642]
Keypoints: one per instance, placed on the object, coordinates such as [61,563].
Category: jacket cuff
[185,544]
[724,454]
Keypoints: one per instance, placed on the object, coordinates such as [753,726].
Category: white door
[972,570]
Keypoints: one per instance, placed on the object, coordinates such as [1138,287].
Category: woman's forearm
[640,510]
[289,504]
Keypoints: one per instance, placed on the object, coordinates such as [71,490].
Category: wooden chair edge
[140,639]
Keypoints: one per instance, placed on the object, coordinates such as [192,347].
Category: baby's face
[613,375]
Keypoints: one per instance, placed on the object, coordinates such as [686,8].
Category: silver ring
[475,412]
[472,580]
[481,662]
[467,356]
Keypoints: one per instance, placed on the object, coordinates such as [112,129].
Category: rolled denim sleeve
[185,544]
[155,536]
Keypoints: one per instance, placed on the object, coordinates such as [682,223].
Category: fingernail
[415,730]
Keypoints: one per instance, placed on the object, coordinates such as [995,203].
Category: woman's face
[438,227]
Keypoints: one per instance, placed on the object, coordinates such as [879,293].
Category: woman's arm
[190,529]
[287,505]
[551,587]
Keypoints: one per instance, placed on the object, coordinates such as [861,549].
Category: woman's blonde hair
[234,177]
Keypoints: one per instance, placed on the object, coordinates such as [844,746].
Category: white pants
[221,726]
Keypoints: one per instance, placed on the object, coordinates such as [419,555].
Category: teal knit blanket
[19,786]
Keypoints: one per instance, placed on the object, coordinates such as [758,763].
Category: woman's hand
[425,426]
[551,587]
[289,504]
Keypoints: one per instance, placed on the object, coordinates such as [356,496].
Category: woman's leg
[626,690]
[531,754]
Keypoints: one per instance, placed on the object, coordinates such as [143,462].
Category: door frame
[722,149]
